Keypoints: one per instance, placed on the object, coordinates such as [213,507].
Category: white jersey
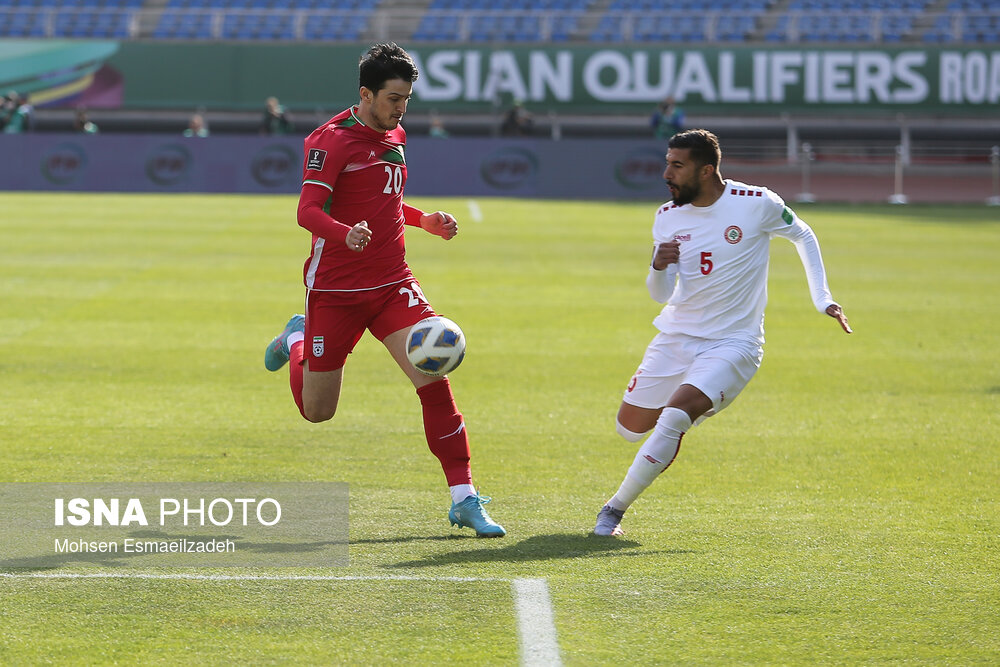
[721,278]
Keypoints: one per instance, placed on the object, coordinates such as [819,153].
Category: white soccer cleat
[609,522]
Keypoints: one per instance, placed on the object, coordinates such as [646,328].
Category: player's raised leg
[319,394]
[654,456]
[278,350]
[316,393]
[444,428]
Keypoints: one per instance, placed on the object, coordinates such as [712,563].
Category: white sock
[294,338]
[655,456]
[460,492]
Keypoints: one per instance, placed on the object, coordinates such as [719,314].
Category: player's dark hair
[703,144]
[385,62]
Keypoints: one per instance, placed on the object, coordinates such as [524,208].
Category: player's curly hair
[703,144]
[385,62]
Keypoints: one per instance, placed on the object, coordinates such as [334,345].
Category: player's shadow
[538,547]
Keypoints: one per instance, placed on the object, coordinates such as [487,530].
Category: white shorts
[720,369]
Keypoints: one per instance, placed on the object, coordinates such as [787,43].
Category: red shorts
[335,321]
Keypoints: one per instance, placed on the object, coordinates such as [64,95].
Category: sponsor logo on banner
[64,163]
[318,348]
[168,163]
[509,168]
[276,165]
[641,169]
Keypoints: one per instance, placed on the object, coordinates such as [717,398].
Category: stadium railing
[128,21]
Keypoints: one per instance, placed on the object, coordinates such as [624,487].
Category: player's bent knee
[631,436]
[319,414]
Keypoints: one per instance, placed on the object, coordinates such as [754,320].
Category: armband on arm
[411,215]
[661,283]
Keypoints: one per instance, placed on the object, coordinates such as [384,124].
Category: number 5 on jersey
[706,263]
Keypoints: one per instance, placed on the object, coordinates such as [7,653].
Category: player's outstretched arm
[837,313]
[440,224]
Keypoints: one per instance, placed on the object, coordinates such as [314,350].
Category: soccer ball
[435,346]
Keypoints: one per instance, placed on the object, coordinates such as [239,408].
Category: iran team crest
[317,346]
[733,234]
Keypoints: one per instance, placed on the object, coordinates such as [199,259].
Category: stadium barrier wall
[457,166]
[464,167]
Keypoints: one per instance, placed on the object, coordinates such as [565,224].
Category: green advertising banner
[757,80]
[748,80]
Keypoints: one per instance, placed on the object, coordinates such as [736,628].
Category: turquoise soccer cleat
[470,514]
[276,354]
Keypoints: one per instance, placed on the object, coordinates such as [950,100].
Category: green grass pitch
[843,511]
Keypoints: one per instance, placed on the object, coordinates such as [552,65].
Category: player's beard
[683,194]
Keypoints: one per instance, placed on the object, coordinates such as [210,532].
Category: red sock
[444,428]
[295,374]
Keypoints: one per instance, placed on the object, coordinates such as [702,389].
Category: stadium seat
[524,21]
[67,18]
[265,20]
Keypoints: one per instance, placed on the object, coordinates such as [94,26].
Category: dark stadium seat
[67,18]
[849,22]
[265,20]
[683,20]
[524,21]
[501,20]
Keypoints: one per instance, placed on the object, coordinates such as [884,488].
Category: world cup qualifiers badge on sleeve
[317,158]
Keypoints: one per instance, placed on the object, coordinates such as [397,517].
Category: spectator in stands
[196,127]
[81,123]
[517,122]
[17,114]
[276,120]
[7,106]
[667,120]
[437,127]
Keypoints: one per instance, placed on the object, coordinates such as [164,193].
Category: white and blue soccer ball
[435,346]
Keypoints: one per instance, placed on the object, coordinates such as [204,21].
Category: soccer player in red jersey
[356,275]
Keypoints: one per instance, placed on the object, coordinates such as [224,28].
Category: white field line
[475,212]
[535,624]
[536,628]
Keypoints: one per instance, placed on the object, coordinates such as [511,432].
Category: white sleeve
[807,245]
[661,283]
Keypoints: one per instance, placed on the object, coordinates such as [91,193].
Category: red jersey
[354,173]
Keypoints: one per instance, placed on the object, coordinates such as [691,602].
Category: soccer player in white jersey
[709,267]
